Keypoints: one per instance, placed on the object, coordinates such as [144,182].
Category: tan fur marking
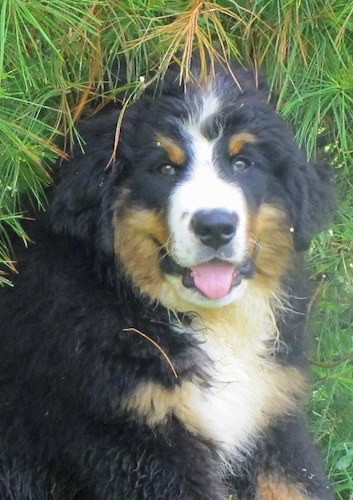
[154,403]
[273,242]
[272,489]
[137,234]
[238,141]
[175,152]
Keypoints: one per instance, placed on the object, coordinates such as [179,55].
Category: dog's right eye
[167,169]
[242,163]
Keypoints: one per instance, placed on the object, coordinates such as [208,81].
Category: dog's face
[201,213]
[211,198]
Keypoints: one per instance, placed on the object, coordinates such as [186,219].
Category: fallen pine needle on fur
[135,330]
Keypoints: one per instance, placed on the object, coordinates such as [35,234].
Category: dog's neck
[252,319]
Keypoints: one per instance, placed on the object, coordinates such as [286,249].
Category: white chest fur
[241,387]
[245,387]
[232,408]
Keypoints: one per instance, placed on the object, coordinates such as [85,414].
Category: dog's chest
[229,405]
[236,387]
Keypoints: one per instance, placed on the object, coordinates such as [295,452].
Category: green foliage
[55,55]
[332,403]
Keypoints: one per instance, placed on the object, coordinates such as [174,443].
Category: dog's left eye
[241,163]
[167,169]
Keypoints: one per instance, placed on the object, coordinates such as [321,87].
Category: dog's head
[209,192]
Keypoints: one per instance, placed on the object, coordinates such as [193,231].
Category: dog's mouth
[213,279]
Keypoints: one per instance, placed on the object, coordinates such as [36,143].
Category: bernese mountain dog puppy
[152,343]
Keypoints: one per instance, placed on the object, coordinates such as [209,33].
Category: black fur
[66,361]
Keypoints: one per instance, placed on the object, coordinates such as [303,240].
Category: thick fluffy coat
[152,346]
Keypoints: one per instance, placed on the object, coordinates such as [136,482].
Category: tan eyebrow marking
[175,152]
[238,141]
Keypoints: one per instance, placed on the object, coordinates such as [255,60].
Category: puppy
[152,344]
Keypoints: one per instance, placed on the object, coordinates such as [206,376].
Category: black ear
[312,200]
[80,202]
[80,207]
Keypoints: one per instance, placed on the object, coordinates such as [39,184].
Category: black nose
[214,227]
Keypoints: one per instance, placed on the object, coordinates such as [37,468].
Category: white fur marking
[232,410]
[209,107]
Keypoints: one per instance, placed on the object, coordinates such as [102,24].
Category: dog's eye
[241,163]
[167,169]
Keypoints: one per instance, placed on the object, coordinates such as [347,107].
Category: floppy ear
[80,202]
[311,200]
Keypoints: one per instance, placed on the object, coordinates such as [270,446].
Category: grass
[331,407]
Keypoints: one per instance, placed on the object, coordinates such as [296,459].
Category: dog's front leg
[285,466]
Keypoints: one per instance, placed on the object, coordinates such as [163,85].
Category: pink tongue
[213,279]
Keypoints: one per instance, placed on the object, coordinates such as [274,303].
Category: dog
[153,340]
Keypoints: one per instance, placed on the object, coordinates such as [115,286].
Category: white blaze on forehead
[210,105]
[204,188]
